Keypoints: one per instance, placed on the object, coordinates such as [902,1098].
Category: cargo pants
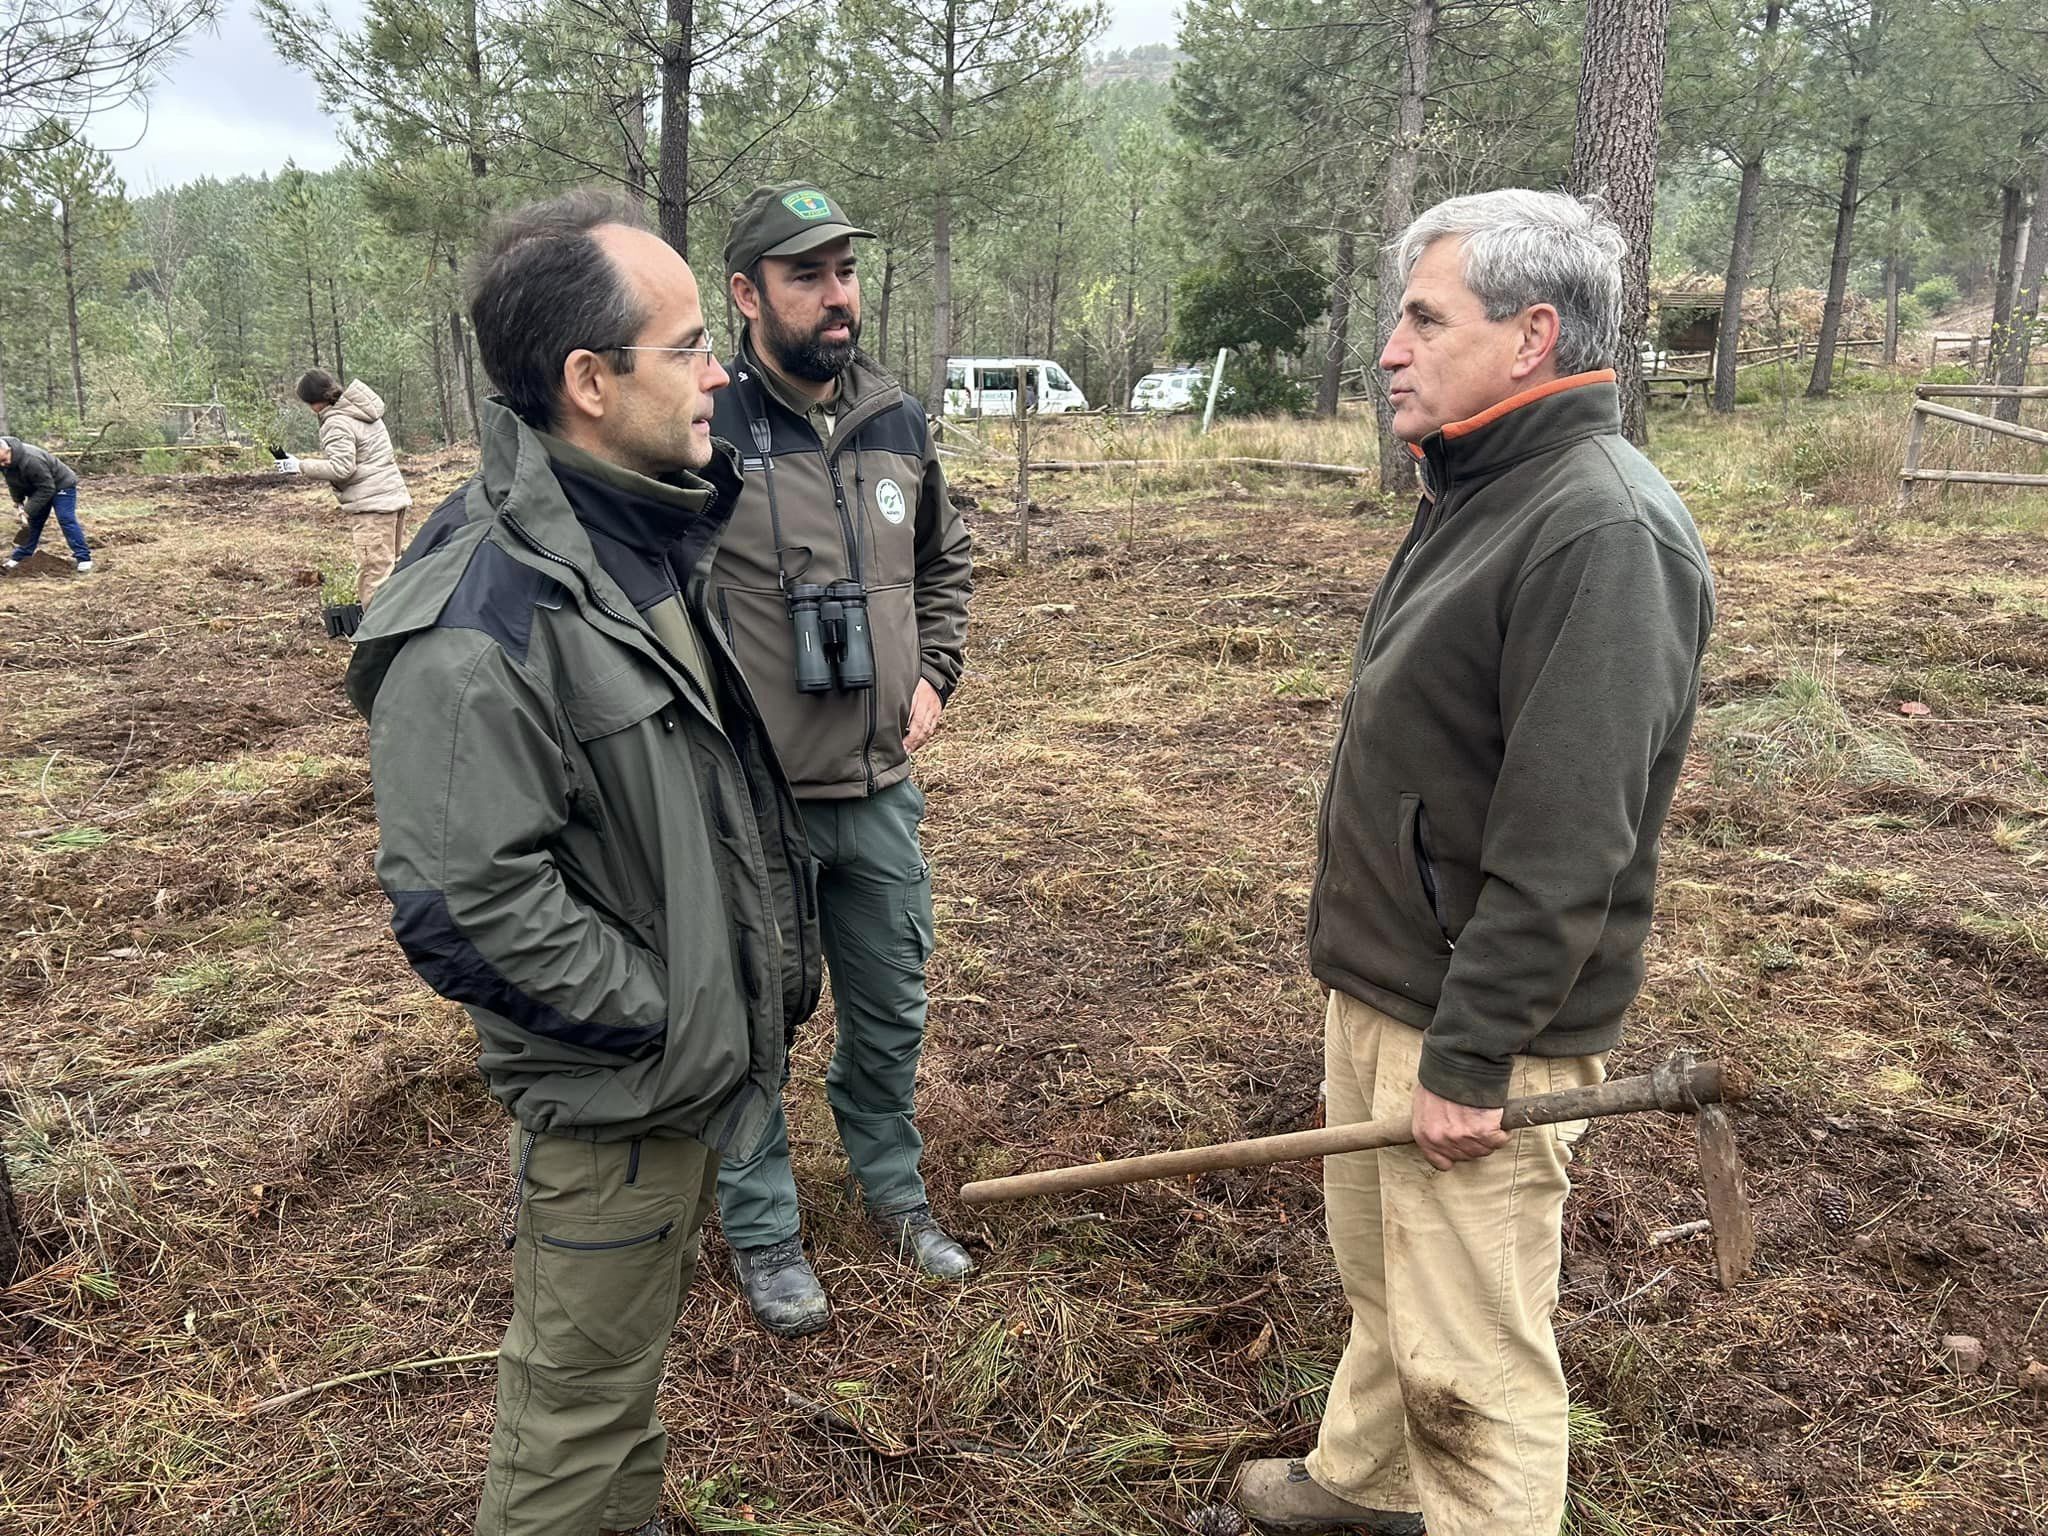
[875,920]
[1450,1398]
[605,1250]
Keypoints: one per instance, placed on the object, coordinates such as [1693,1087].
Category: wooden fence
[1926,407]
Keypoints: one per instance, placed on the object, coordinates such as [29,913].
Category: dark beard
[806,357]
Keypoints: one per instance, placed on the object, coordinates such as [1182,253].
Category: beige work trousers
[1450,1398]
[379,539]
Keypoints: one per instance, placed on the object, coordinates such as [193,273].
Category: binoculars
[833,647]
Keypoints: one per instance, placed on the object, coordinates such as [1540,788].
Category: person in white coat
[356,458]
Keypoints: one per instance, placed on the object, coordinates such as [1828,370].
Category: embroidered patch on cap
[807,205]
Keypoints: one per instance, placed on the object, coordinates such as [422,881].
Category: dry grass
[253,1153]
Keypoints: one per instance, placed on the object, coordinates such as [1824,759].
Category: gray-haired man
[1520,705]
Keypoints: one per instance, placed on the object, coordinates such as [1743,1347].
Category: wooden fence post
[1023,474]
[1913,437]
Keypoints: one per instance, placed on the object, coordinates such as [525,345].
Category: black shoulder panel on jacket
[497,596]
[440,526]
[901,430]
[454,967]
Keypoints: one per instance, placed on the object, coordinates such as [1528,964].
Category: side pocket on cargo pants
[603,1256]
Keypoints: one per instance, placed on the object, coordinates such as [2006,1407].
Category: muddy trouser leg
[1471,1262]
[875,921]
[607,1248]
[378,539]
[1362,1452]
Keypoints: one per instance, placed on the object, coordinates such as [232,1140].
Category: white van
[987,386]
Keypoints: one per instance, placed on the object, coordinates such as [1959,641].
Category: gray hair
[1522,248]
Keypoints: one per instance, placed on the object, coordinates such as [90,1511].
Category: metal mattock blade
[1727,1195]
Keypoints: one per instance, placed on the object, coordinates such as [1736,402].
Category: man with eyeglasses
[842,585]
[586,839]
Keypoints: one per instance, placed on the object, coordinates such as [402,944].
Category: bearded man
[842,584]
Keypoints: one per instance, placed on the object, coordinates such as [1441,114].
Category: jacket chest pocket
[889,484]
[629,729]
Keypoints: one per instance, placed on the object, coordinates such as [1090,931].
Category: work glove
[287,465]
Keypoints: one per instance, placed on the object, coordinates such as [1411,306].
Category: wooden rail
[1925,409]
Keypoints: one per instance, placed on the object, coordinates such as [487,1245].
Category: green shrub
[159,461]
[1938,294]
[1259,389]
[1912,314]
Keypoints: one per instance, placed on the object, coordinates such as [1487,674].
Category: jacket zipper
[659,1235]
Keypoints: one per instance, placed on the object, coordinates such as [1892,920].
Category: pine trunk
[334,319]
[441,385]
[1823,378]
[672,180]
[1742,243]
[71,306]
[1736,282]
[942,228]
[2012,211]
[1891,285]
[1614,153]
[1397,208]
[2026,299]
[1340,325]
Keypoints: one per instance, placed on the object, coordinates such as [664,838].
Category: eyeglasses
[707,352]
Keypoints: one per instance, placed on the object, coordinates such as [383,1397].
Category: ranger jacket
[869,503]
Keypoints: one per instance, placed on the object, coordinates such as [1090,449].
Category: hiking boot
[782,1288]
[85,567]
[1278,1495]
[921,1240]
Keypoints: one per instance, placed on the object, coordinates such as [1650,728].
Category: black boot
[782,1288]
[917,1237]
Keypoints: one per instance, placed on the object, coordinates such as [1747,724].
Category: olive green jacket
[613,883]
[1520,703]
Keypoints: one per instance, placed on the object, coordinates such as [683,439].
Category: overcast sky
[230,107]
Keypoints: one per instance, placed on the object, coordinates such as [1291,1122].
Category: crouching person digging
[1520,705]
[586,839]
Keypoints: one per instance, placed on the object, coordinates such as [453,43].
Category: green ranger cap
[785,220]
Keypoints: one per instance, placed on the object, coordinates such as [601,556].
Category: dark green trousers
[875,919]
[606,1251]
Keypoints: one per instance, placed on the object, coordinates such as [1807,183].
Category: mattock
[1681,1084]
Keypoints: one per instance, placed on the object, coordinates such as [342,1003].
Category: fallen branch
[1620,1301]
[283,1399]
[219,620]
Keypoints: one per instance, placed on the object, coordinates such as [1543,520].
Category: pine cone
[1832,1206]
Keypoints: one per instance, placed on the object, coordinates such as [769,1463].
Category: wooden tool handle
[1680,1085]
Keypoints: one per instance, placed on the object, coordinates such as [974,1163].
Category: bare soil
[252,1154]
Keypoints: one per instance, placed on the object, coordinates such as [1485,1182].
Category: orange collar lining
[1486,418]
